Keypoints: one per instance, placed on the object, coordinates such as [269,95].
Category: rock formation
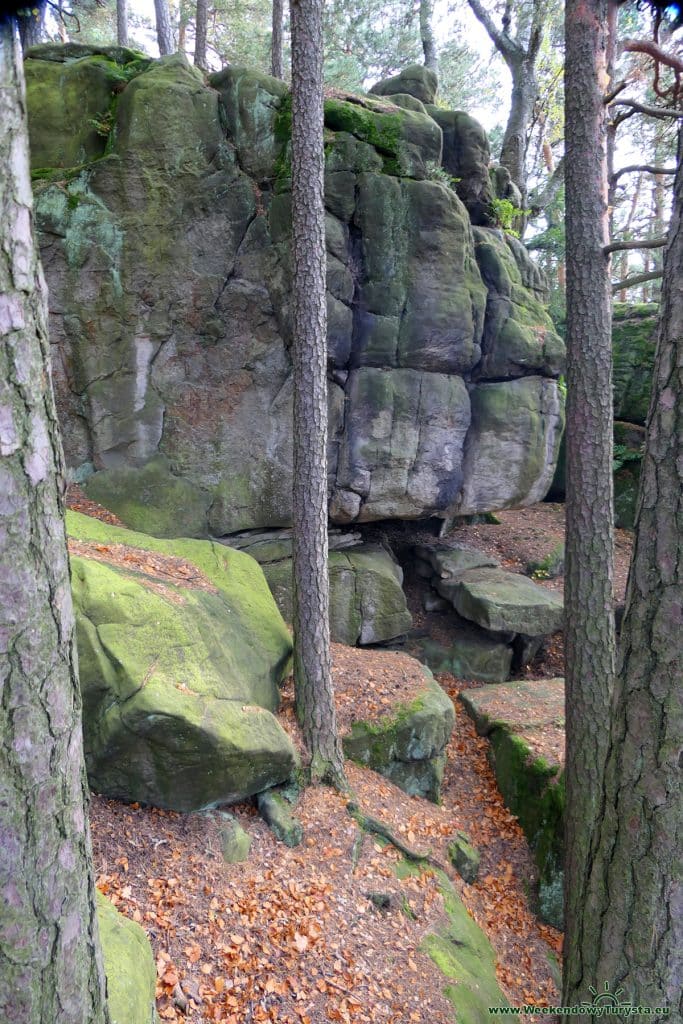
[163,205]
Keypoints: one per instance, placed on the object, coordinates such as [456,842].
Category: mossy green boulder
[464,956]
[128,965]
[408,744]
[524,723]
[181,650]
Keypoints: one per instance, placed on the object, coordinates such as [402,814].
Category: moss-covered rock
[181,649]
[466,157]
[416,80]
[506,602]
[408,745]
[519,336]
[464,857]
[464,956]
[520,719]
[164,207]
[633,348]
[128,965]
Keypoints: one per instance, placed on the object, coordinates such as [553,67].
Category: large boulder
[416,80]
[466,157]
[505,602]
[128,965]
[181,650]
[164,207]
[407,743]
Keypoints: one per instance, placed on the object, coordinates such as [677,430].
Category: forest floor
[290,935]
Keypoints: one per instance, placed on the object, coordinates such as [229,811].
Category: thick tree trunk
[164,30]
[312,676]
[516,136]
[122,22]
[50,971]
[276,41]
[636,887]
[589,618]
[427,35]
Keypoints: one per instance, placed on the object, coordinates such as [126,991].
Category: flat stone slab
[450,563]
[524,724]
[505,602]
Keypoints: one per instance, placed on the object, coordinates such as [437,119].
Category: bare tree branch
[654,51]
[634,168]
[631,282]
[544,196]
[612,95]
[508,47]
[643,108]
[637,243]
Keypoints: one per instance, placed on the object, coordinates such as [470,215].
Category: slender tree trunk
[312,676]
[427,35]
[635,937]
[589,618]
[200,34]
[50,968]
[276,42]
[164,30]
[516,136]
[122,22]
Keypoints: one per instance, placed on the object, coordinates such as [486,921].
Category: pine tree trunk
[427,36]
[589,618]
[50,970]
[164,30]
[276,42]
[634,938]
[200,34]
[122,22]
[312,675]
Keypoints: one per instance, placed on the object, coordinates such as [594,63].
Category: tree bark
[276,41]
[122,22]
[516,135]
[200,34]
[50,968]
[312,675]
[635,937]
[431,59]
[589,618]
[164,30]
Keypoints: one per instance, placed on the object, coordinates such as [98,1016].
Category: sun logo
[606,997]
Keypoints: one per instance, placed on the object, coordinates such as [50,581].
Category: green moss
[463,954]
[535,792]
[128,966]
[381,130]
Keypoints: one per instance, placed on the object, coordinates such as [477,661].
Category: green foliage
[622,455]
[506,213]
[435,172]
[103,124]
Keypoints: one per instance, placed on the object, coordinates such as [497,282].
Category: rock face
[524,723]
[164,210]
[181,649]
[367,603]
